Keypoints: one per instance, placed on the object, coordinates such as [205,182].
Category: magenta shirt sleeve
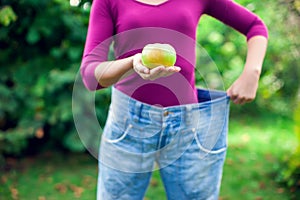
[237,17]
[98,39]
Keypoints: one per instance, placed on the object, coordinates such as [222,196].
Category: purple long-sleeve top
[131,24]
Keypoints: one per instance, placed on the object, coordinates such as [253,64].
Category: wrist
[129,62]
[252,71]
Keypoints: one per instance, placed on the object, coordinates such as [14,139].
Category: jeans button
[166,113]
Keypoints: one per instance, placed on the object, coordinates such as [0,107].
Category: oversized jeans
[187,143]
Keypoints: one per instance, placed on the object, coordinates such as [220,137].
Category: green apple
[158,54]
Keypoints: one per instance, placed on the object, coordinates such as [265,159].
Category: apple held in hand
[157,54]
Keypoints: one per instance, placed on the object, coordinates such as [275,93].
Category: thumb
[138,66]
[229,91]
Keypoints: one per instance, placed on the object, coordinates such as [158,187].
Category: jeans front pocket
[211,132]
[114,133]
[124,148]
[214,142]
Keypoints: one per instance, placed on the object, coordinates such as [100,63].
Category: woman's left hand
[243,90]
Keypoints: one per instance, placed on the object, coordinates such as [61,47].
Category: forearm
[244,89]
[108,73]
[257,46]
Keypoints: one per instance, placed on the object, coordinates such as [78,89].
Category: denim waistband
[207,99]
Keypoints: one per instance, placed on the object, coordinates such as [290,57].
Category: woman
[158,115]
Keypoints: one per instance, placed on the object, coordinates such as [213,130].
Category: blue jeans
[187,143]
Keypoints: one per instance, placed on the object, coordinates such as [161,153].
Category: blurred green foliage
[7,15]
[41,48]
[290,173]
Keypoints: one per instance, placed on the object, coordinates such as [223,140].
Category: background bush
[43,44]
[41,48]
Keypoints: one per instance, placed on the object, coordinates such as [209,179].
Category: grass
[256,146]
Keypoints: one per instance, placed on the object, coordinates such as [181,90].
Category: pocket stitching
[206,150]
[113,141]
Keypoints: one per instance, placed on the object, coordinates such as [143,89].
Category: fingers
[162,71]
[155,73]
[141,68]
[159,72]
[240,99]
[172,69]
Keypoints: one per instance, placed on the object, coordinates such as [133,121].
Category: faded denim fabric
[187,143]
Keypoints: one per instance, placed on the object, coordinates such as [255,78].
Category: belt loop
[141,110]
[137,111]
[188,114]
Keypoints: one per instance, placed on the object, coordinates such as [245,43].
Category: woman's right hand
[152,74]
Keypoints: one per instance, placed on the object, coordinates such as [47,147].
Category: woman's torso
[173,22]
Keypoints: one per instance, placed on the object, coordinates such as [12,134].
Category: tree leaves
[39,63]
[7,15]
[33,36]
